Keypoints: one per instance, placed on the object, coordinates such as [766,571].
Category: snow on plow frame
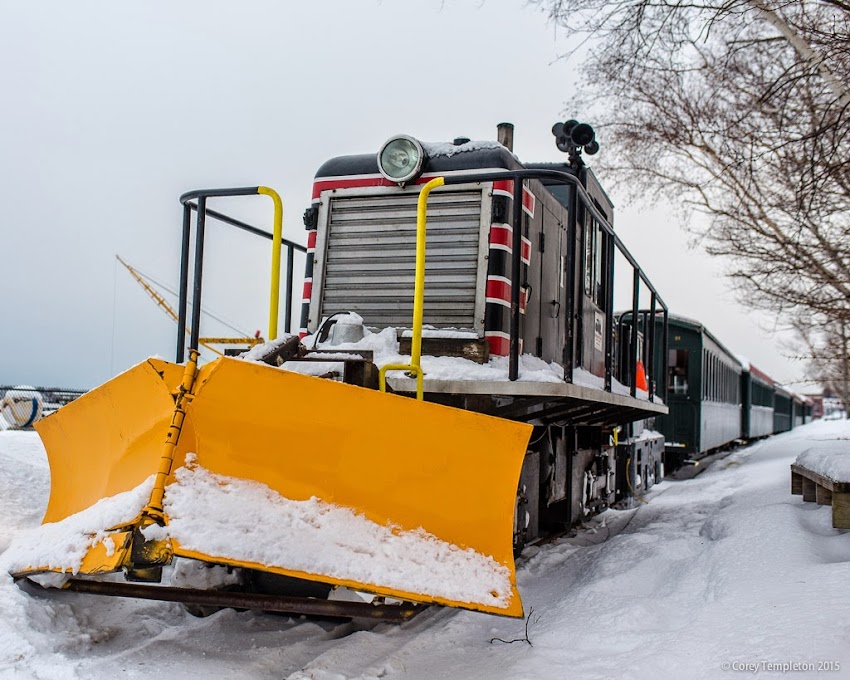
[435,486]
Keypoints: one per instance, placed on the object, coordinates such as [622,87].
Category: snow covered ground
[715,577]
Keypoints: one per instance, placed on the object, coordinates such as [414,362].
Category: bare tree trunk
[845,372]
[807,54]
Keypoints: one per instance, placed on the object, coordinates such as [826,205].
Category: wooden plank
[841,510]
[840,487]
[810,474]
[831,484]
[468,348]
[823,495]
[809,490]
[796,484]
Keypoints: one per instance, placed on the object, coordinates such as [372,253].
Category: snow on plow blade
[289,474]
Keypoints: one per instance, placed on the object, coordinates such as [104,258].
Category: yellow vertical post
[418,296]
[274,297]
[153,509]
[419,285]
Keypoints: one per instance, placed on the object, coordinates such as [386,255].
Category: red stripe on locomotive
[358,181]
[502,235]
[499,290]
[321,185]
[499,346]
[505,187]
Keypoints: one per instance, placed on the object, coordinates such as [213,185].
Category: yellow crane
[168,309]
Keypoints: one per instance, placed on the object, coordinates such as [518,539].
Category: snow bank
[726,575]
[726,568]
[25,483]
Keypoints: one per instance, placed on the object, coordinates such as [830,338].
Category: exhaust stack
[505,135]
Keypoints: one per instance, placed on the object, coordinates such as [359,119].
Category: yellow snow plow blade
[110,439]
[300,476]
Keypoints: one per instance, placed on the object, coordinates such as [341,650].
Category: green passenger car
[703,394]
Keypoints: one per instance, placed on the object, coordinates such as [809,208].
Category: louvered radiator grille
[371,258]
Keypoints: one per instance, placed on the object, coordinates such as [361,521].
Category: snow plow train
[459,386]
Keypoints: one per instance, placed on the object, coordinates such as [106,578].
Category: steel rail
[239,600]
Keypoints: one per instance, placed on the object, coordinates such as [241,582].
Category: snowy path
[727,567]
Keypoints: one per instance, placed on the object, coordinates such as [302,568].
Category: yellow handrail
[274,299]
[418,297]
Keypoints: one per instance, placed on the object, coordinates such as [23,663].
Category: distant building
[827,405]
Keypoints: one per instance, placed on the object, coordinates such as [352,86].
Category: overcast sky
[111,110]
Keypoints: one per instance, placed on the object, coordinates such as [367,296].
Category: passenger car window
[677,380]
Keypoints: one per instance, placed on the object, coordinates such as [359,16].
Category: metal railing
[200,207]
[587,204]
[647,323]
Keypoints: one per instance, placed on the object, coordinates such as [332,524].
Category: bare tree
[826,346]
[741,109]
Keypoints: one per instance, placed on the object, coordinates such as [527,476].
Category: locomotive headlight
[401,158]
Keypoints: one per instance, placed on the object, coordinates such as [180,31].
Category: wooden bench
[816,488]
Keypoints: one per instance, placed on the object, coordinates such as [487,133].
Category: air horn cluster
[572,137]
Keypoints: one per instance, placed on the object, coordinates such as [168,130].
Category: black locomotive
[520,265]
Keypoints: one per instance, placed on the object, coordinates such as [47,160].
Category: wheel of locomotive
[255,581]
[521,519]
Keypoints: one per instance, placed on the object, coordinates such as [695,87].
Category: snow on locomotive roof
[442,157]
[434,149]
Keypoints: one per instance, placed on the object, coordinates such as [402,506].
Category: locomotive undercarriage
[567,476]
[574,472]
